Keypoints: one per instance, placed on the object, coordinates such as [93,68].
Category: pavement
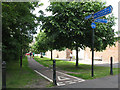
[106,82]
[67,81]
[47,73]
[89,62]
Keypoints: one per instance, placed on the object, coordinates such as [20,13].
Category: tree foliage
[41,44]
[18,26]
[69,28]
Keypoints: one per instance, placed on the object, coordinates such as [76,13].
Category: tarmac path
[106,82]
[47,73]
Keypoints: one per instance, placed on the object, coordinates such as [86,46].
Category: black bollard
[3,75]
[111,66]
[21,61]
[54,72]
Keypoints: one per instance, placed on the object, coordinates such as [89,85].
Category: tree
[40,45]
[51,32]
[73,30]
[18,26]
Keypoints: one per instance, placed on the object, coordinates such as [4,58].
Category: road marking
[71,76]
[60,84]
[44,76]
[70,82]
[80,81]
[62,78]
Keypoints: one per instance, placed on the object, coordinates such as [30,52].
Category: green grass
[50,85]
[20,77]
[82,71]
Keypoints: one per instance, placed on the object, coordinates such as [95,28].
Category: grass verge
[83,71]
[21,77]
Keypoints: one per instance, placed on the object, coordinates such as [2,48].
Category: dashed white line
[44,76]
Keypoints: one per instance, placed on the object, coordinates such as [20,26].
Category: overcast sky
[114,4]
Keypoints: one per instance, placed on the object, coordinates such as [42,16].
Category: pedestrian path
[89,62]
[47,73]
[110,82]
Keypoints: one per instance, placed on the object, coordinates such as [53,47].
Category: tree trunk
[76,56]
[51,54]
[21,52]
[21,59]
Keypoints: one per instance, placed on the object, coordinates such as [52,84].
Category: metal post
[3,75]
[54,72]
[93,53]
[21,61]
[92,47]
[111,66]
[77,56]
[51,54]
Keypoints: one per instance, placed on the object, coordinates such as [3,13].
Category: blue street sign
[103,12]
[93,25]
[101,20]
[89,16]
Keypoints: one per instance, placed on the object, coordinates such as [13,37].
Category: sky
[114,4]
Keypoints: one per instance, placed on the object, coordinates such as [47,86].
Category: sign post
[95,17]
[101,20]
[103,12]
[93,25]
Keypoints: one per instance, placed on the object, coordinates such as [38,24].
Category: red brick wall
[119,51]
[56,54]
[105,55]
[59,54]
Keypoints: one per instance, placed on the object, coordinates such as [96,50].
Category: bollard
[4,75]
[54,72]
[111,66]
[21,61]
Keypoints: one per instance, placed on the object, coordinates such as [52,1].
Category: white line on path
[61,78]
[44,76]
[71,76]
[60,83]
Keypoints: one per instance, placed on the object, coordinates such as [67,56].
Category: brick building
[87,54]
[59,54]
[104,55]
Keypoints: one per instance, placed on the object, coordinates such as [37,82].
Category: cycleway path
[47,73]
[105,82]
